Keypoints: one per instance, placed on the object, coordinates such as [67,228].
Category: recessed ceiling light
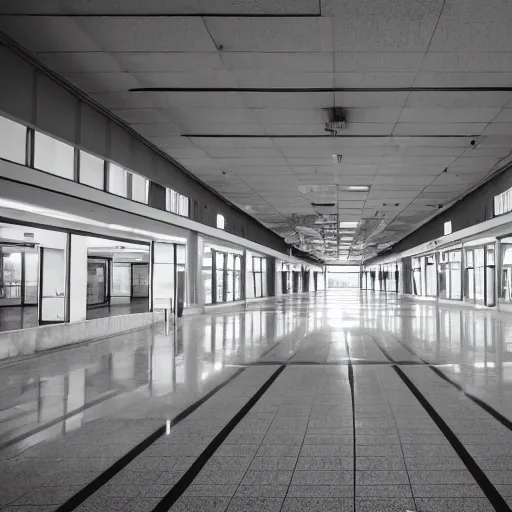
[354,188]
[348,224]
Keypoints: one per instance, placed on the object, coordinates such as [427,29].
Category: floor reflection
[57,393]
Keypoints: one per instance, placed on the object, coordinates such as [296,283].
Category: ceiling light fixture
[349,224]
[354,188]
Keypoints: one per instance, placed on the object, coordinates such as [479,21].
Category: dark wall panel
[57,110]
[16,86]
[94,130]
[120,145]
[156,196]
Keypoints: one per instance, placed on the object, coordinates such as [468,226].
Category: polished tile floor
[339,400]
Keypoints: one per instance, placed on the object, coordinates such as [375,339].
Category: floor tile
[384,504]
[242,504]
[318,505]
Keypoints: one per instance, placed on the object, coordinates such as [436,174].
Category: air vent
[323,205]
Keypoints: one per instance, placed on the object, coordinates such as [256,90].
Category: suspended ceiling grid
[268,151]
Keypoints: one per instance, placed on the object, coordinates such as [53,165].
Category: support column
[195,291]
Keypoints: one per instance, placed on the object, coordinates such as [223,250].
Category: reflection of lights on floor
[484,365]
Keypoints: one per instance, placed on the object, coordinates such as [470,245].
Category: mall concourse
[256,256]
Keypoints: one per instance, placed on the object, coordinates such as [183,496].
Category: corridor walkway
[334,401]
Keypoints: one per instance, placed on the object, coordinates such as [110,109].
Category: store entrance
[19,278]
[117,278]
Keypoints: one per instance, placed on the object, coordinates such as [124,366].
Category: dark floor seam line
[85,493]
[351,383]
[183,483]
[486,407]
[492,494]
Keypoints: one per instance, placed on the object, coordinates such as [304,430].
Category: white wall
[78,281]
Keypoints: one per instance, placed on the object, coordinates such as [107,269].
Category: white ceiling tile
[227,142]
[207,78]
[147,34]
[103,82]
[151,115]
[382,34]
[251,162]
[373,115]
[498,129]
[467,62]
[411,170]
[474,10]
[352,196]
[458,99]
[238,153]
[211,115]
[48,34]
[448,115]
[392,194]
[268,34]
[410,9]
[368,62]
[467,129]
[403,180]
[392,79]
[282,62]
[158,129]
[370,99]
[505,116]
[354,179]
[167,62]
[232,7]
[288,100]
[269,79]
[243,171]
[486,79]
[496,152]
[453,35]
[80,62]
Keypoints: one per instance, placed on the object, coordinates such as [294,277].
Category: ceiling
[267,151]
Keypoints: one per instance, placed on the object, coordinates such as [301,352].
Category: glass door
[479,275]
[97,281]
[164,290]
[490,276]
[31,267]
[469,281]
[52,300]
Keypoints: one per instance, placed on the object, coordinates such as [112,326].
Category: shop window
[448,227]
[92,170]
[207,275]
[450,275]
[430,276]
[503,202]
[221,221]
[140,188]
[177,203]
[117,180]
[506,272]
[416,277]
[53,156]
[13,141]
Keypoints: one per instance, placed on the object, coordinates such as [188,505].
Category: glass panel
[207,275]
[13,141]
[184,206]
[455,281]
[221,221]
[96,281]
[479,274]
[257,285]
[121,280]
[163,253]
[264,284]
[117,180]
[92,170]
[264,264]
[238,260]
[53,156]
[10,276]
[469,259]
[181,254]
[219,260]
[139,188]
[238,286]
[220,286]
[53,285]
[163,285]
[230,285]
[140,283]
[31,277]
[256,264]
[230,261]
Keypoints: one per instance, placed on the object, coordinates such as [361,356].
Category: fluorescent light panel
[354,188]
[348,224]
